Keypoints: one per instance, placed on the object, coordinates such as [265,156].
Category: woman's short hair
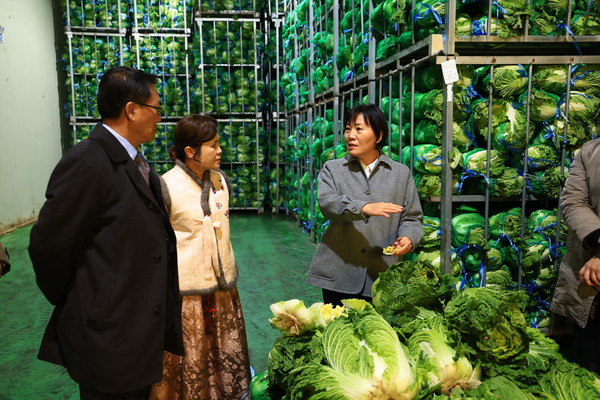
[120,85]
[373,118]
[192,130]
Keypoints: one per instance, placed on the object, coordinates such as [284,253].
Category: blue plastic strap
[499,9]
[570,32]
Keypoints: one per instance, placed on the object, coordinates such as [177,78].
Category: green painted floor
[272,254]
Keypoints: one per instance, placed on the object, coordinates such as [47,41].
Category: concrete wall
[30,132]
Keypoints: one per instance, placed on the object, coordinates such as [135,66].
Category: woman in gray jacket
[372,203]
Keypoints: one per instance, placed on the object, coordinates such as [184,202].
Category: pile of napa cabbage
[420,338]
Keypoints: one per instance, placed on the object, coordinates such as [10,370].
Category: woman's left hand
[402,245]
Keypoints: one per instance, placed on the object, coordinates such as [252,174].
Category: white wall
[29,108]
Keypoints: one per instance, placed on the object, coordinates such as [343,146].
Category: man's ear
[130,110]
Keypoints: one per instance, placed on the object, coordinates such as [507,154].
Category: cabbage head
[508,183]
[491,321]
[501,278]
[509,81]
[540,156]
[582,107]
[550,78]
[433,256]
[503,111]
[568,380]
[496,254]
[407,284]
[476,161]
[427,158]
[506,223]
[547,183]
[431,185]
[543,105]
[498,387]
[365,361]
[468,228]
[508,137]
[289,353]
[431,345]
[586,78]
[554,133]
[432,232]
[536,252]
[544,223]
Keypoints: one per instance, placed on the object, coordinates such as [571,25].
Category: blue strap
[570,32]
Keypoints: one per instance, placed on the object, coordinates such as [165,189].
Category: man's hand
[402,245]
[590,272]
[381,209]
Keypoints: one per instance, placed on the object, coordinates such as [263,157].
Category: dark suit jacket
[104,255]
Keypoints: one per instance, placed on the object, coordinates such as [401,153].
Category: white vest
[204,254]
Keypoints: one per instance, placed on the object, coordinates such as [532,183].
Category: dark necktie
[143,167]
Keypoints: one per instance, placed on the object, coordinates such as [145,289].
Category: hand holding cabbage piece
[401,246]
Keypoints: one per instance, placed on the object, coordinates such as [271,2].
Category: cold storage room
[412,179]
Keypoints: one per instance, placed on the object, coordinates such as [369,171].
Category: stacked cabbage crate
[280,162]
[511,143]
[215,71]
[228,83]
[278,181]
[150,35]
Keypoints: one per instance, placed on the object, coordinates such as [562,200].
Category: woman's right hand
[590,272]
[381,209]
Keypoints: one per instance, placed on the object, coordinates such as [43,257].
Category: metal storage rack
[384,79]
[150,35]
[229,84]
[167,39]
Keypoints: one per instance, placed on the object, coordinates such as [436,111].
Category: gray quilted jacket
[349,257]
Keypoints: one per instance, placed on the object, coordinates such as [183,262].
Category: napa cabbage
[586,78]
[431,185]
[566,381]
[501,278]
[476,161]
[509,80]
[293,318]
[468,228]
[543,105]
[427,158]
[289,353]
[365,360]
[550,78]
[544,222]
[547,183]
[430,343]
[508,182]
[431,232]
[541,156]
[503,111]
[491,321]
[506,223]
[582,107]
[433,256]
[406,285]
[535,252]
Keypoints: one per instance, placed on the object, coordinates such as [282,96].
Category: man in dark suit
[104,252]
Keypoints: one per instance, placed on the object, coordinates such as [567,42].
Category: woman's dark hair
[120,85]
[373,118]
[192,131]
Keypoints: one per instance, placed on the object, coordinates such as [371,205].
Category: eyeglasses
[157,108]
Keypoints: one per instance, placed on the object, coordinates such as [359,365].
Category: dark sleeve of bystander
[4,260]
